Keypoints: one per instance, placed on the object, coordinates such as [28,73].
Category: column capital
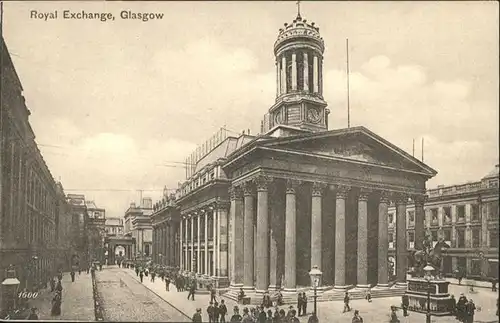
[400,198]
[262,182]
[419,199]
[248,188]
[364,193]
[385,197]
[292,185]
[235,192]
[342,191]
[318,188]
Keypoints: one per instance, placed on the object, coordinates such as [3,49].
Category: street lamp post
[428,276]
[315,275]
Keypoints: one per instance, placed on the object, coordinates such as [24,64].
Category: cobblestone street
[124,299]
[77,302]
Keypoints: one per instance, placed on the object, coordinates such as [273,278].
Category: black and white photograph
[249,161]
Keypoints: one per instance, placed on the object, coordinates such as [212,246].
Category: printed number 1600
[27,295]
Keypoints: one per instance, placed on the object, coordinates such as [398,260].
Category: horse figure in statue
[429,255]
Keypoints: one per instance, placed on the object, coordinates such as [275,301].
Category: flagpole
[347,68]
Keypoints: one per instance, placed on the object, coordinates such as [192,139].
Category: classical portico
[320,199]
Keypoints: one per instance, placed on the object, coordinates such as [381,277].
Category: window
[461,212]
[447,235]
[411,216]
[391,218]
[447,214]
[434,235]
[475,238]
[411,239]
[146,250]
[493,210]
[474,212]
[434,216]
[461,238]
[475,267]
[494,238]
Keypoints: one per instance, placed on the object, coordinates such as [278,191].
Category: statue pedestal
[440,299]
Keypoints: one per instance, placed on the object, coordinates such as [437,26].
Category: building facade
[96,231]
[113,226]
[138,226]
[165,222]
[258,212]
[79,243]
[29,195]
[465,216]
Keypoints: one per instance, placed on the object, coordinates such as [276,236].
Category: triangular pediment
[354,144]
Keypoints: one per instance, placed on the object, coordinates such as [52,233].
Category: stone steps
[323,296]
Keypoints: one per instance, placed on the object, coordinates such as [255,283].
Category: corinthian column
[248,260]
[278,83]
[419,221]
[206,271]
[181,233]
[294,72]
[316,251]
[401,248]
[340,256]
[290,236]
[383,240]
[363,239]
[237,246]
[198,255]
[262,261]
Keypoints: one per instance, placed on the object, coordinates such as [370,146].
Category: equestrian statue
[429,255]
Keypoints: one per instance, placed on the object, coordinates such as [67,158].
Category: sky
[113,102]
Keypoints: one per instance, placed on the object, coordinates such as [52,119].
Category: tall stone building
[465,216]
[79,244]
[29,195]
[96,231]
[138,227]
[258,211]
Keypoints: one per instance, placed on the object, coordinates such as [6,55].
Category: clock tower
[299,79]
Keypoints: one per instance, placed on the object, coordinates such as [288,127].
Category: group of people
[464,309]
[256,314]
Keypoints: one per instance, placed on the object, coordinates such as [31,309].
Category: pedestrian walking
[299,303]
[304,304]
[494,285]
[293,318]
[347,308]
[56,305]
[357,318]
[222,311]
[470,309]
[236,315]
[197,315]
[393,315]
[269,318]
[246,316]
[216,312]
[405,303]
[210,312]
[136,271]
[262,316]
[153,274]
[368,295]
[167,284]
[192,289]
[72,273]
[212,294]
[141,276]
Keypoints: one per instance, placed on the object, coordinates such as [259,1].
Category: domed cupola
[299,78]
